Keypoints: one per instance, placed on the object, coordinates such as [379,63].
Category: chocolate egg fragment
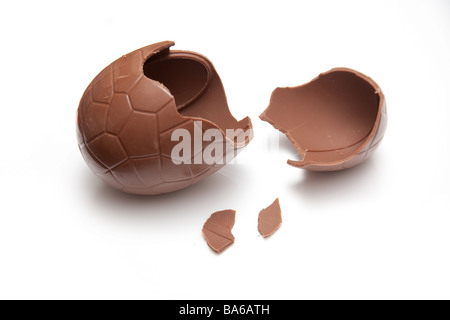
[335,121]
[128,113]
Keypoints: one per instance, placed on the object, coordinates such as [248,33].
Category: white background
[380,230]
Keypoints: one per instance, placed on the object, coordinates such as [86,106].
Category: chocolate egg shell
[129,111]
[335,121]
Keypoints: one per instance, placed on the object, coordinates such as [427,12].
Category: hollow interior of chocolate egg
[330,117]
[194,84]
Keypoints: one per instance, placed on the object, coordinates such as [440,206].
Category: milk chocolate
[335,121]
[269,219]
[128,113]
[217,230]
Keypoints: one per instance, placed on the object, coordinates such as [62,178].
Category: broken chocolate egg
[135,112]
[335,121]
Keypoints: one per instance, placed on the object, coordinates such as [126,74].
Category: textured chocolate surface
[335,121]
[217,230]
[269,219]
[126,118]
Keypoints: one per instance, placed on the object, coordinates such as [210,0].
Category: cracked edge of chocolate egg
[269,219]
[217,230]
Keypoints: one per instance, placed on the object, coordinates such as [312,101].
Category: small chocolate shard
[217,230]
[269,219]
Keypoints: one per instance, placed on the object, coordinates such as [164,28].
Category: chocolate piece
[128,113]
[217,230]
[335,121]
[269,219]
